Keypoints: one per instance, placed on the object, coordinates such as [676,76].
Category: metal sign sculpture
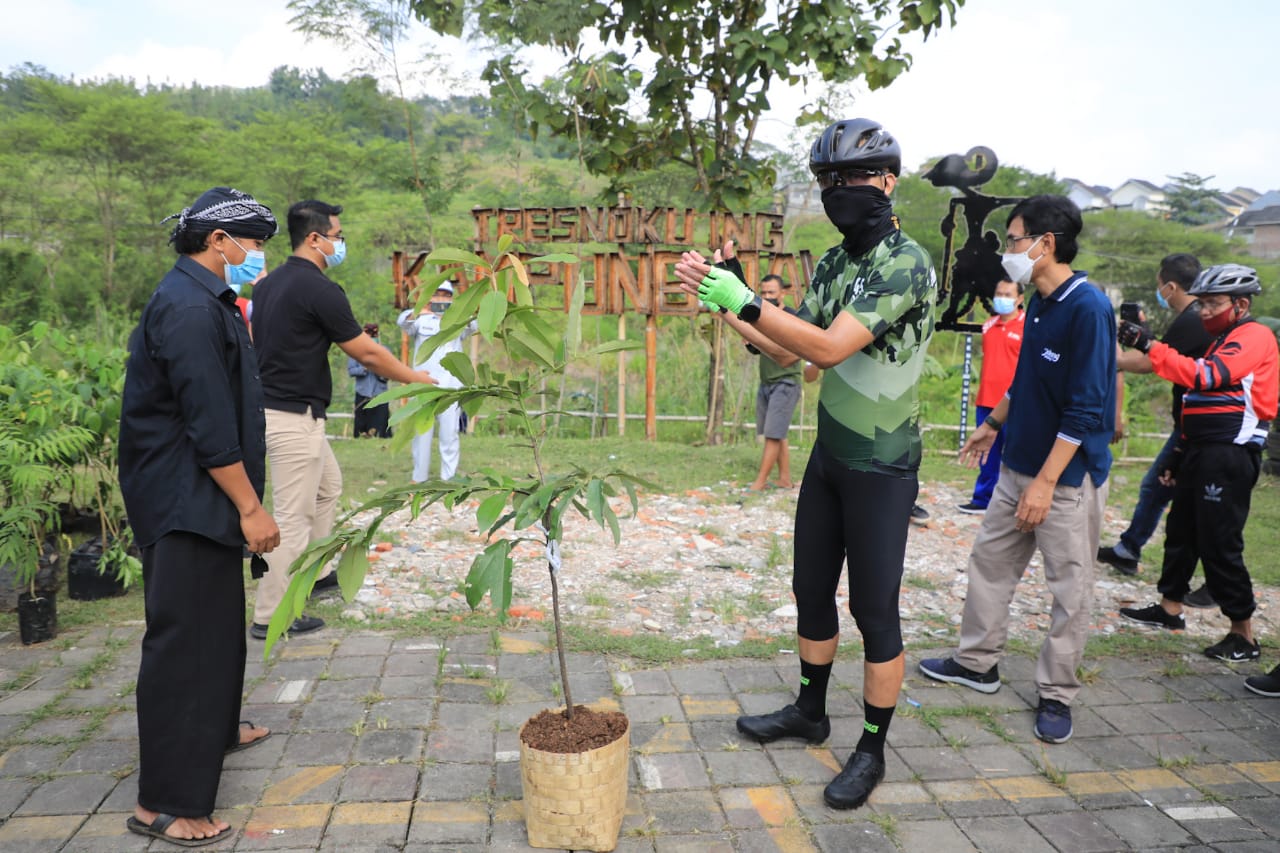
[973,274]
[628,270]
[627,258]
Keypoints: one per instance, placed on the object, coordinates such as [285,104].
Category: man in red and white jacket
[1230,400]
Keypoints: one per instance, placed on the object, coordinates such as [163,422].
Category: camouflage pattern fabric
[869,406]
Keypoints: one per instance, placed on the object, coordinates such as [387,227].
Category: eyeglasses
[844,177]
[1214,306]
[1011,241]
[332,237]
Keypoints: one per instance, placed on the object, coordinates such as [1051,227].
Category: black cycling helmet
[856,143]
[1233,279]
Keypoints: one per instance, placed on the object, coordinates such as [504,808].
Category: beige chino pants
[305,486]
[1068,541]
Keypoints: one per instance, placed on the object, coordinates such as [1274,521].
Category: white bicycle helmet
[1234,279]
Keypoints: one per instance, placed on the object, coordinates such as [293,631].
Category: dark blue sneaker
[946,669]
[1053,721]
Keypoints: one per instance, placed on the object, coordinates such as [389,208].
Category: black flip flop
[156,829]
[239,747]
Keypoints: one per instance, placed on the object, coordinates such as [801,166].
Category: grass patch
[497,692]
[919,582]
[1177,668]
[1131,644]
[24,678]
[645,579]
[1175,763]
[779,554]
[1055,775]
[596,598]
[1088,674]
[933,718]
[887,823]
[83,679]
[1024,647]
[652,648]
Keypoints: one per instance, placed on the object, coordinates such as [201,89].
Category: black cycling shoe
[861,773]
[786,722]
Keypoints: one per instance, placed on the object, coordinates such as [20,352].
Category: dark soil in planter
[553,731]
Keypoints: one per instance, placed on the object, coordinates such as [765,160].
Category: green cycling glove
[725,290]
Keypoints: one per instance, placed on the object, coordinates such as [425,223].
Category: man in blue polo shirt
[1060,413]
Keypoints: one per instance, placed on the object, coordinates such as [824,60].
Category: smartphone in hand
[1131,312]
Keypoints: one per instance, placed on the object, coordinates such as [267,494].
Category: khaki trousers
[1068,541]
[305,486]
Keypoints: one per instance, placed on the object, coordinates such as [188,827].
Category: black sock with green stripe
[874,729]
[812,700]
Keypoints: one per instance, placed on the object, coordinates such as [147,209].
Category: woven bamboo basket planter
[576,800]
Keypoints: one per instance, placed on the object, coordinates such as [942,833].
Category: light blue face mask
[255,261]
[1004,304]
[339,252]
[1164,303]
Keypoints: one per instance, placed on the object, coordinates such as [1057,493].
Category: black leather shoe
[326,585]
[787,722]
[861,773]
[302,625]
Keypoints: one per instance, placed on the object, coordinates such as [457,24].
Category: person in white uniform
[419,329]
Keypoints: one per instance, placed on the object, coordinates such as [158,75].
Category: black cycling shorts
[860,516]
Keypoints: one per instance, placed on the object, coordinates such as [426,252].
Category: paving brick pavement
[409,744]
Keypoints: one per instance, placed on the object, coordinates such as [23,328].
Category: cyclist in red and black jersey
[1230,400]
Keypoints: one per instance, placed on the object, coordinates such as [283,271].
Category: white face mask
[1019,264]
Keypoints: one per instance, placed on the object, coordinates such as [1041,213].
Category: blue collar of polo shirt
[1068,287]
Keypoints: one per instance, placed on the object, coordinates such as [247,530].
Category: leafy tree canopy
[1192,201]
[686,81]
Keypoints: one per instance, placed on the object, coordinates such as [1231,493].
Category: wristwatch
[750,312]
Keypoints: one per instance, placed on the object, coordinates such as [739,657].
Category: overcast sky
[1100,90]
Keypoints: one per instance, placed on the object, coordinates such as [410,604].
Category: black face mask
[773,301]
[863,214]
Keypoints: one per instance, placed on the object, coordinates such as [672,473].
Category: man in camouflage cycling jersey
[867,319]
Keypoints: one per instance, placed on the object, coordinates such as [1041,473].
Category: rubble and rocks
[716,562]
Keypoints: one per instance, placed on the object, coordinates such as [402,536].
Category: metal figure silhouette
[973,274]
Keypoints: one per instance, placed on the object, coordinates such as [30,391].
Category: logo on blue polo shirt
[1050,355]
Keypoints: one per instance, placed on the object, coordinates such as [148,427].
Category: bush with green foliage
[59,417]
[42,440]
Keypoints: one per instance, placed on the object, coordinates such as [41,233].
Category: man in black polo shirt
[192,472]
[297,313]
[1187,335]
